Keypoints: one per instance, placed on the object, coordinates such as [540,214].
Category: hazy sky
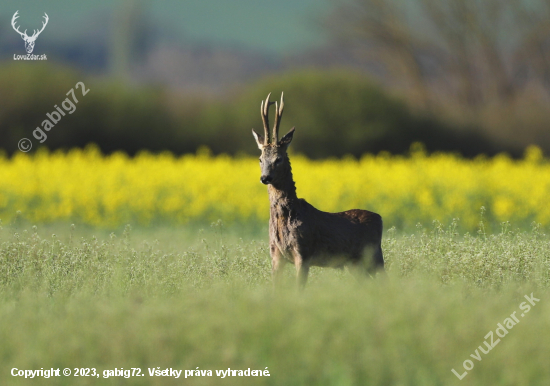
[281,26]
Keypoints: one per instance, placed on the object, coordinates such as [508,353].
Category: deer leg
[379,258]
[370,262]
[277,264]
[302,271]
[357,268]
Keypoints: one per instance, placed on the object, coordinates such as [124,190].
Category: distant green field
[183,299]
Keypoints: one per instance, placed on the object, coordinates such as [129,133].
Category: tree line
[335,113]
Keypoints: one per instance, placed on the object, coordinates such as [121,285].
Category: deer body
[303,235]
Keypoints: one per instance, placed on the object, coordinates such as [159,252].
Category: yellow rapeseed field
[108,191]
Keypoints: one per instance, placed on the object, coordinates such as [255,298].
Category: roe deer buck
[302,234]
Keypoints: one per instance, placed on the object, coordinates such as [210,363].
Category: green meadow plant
[184,299]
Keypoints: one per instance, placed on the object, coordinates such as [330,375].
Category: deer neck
[283,194]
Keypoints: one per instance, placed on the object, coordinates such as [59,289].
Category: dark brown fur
[305,236]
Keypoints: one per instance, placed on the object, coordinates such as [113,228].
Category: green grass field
[185,298]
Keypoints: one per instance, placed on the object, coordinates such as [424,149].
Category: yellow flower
[109,191]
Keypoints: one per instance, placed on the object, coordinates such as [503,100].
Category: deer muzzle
[266,179]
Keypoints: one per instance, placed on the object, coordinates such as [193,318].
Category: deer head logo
[29,40]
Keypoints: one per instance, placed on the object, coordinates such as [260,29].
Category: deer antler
[278,116]
[265,117]
[35,34]
[24,34]
[15,16]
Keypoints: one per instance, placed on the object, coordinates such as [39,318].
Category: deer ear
[285,141]
[259,139]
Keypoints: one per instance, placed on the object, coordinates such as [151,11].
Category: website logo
[29,40]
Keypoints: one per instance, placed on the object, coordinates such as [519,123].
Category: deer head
[274,159]
[29,40]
